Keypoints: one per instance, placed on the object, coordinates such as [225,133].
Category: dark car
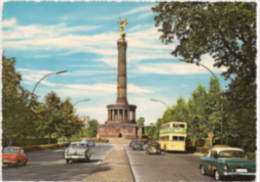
[138,145]
[131,143]
[227,162]
[146,144]
[153,148]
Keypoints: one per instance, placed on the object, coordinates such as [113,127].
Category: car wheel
[25,163]
[18,163]
[217,176]
[86,157]
[202,170]
[67,161]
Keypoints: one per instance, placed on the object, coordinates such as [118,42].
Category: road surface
[50,165]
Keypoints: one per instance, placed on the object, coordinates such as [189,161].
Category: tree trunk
[49,140]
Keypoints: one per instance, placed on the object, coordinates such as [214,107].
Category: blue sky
[81,37]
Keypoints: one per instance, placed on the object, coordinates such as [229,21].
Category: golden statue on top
[121,27]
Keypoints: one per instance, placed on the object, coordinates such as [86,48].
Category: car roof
[77,142]
[227,149]
[220,146]
[13,147]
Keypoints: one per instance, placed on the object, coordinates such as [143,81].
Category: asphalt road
[50,165]
[165,167]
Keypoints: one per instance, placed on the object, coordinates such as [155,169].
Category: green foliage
[180,110]
[140,121]
[24,116]
[149,130]
[92,128]
[198,113]
[15,111]
[241,108]
[206,27]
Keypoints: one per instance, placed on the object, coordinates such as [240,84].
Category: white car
[77,151]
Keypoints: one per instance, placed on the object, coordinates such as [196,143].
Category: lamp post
[57,72]
[155,100]
[221,104]
[84,100]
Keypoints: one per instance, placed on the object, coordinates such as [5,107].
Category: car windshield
[232,154]
[155,144]
[11,150]
[138,142]
[78,145]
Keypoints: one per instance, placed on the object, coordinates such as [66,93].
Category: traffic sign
[210,134]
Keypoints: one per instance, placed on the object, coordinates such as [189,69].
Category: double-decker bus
[173,136]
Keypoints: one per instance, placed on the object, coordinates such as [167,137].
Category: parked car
[153,148]
[131,143]
[90,143]
[77,151]
[226,162]
[14,156]
[138,145]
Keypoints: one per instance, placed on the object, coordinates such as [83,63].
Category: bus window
[181,138]
[175,125]
[175,138]
[182,126]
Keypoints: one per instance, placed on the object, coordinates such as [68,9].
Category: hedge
[44,147]
[28,141]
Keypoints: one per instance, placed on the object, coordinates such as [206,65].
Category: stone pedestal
[128,131]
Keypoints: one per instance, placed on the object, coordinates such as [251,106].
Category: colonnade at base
[121,114]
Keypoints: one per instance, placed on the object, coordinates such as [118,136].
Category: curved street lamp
[57,72]
[84,100]
[221,104]
[168,107]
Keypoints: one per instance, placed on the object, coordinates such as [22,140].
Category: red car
[14,155]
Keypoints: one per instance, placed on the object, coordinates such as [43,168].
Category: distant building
[85,120]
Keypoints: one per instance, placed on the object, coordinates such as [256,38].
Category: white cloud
[31,77]
[180,68]
[9,23]
[138,10]
[135,89]
[108,88]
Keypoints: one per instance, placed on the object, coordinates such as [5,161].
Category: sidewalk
[199,154]
[115,167]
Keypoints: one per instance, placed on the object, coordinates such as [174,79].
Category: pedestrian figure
[10,142]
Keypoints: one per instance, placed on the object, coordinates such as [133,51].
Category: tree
[206,27]
[180,110]
[92,128]
[215,107]
[16,114]
[149,130]
[140,121]
[198,116]
[241,108]
[52,119]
